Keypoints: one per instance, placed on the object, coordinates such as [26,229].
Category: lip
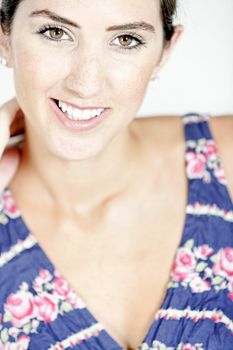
[74,105]
[78,125]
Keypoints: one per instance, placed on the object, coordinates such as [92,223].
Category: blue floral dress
[40,310]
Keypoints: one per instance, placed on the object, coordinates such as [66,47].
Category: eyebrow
[128,26]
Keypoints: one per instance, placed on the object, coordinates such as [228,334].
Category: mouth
[78,114]
[78,118]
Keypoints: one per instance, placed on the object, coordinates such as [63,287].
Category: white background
[199,75]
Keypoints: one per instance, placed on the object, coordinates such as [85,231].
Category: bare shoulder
[169,129]
[222,130]
[160,130]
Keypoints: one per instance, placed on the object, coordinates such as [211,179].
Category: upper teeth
[78,114]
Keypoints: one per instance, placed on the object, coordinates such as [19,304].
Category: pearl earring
[3,61]
[154,79]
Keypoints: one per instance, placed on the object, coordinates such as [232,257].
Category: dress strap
[196,126]
[204,169]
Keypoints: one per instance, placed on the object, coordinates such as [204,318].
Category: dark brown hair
[168,10]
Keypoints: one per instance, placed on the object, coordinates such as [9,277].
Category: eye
[55,33]
[129,41]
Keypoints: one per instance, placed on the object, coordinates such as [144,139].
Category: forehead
[107,10]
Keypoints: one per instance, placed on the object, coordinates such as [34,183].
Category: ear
[5,51]
[168,48]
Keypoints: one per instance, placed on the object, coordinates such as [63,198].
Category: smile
[78,118]
[74,113]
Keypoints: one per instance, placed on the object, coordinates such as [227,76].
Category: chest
[118,259]
[120,268]
[123,292]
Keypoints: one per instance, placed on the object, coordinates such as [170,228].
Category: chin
[71,151]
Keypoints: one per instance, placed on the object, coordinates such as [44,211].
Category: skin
[52,70]
[89,185]
[11,123]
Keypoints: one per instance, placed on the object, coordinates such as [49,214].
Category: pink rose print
[203,252]
[20,306]
[195,165]
[219,174]
[230,287]
[61,287]
[184,265]
[75,301]
[9,205]
[63,290]
[21,344]
[198,285]
[46,307]
[210,149]
[224,266]
[189,347]
[45,275]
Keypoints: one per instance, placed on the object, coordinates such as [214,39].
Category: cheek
[133,74]
[35,73]
[130,83]
[29,77]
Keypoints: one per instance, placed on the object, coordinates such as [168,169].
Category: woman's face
[83,61]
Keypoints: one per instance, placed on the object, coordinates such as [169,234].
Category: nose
[86,76]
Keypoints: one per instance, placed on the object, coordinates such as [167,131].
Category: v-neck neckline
[47,262]
[52,267]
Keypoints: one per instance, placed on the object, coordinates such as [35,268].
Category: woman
[147,271]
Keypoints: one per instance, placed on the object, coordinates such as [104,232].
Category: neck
[80,185]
